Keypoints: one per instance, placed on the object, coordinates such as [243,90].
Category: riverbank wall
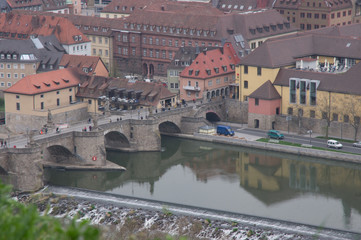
[300,151]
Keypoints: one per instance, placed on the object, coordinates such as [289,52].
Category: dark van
[225,130]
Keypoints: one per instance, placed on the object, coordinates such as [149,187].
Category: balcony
[191,88]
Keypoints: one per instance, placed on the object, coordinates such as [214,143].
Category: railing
[192,88]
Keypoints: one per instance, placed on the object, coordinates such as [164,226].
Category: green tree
[19,221]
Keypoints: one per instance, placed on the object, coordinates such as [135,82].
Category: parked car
[275,134]
[225,130]
[357,144]
[334,144]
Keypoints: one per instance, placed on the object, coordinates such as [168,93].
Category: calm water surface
[241,180]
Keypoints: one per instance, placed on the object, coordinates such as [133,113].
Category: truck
[225,130]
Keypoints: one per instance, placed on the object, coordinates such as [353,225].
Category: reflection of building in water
[273,179]
[213,162]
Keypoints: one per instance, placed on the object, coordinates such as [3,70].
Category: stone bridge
[145,135]
[23,167]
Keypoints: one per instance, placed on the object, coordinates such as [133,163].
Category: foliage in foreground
[19,221]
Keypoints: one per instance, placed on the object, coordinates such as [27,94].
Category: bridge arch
[3,171]
[212,116]
[169,127]
[115,139]
[58,154]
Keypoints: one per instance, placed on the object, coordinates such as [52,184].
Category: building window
[218,81]
[100,40]
[317,15]
[335,117]
[312,114]
[300,112]
[42,105]
[324,115]
[302,15]
[125,38]
[171,85]
[323,16]
[253,45]
[245,84]
[256,101]
[245,69]
[312,93]
[8,66]
[289,111]
[210,83]
[309,15]
[302,92]
[346,118]
[144,52]
[292,91]
[226,79]
[332,15]
[94,51]
[302,26]
[176,85]
[18,106]
[259,71]
[133,51]
[58,102]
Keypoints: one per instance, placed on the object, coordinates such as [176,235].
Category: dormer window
[85,70]
[208,71]
[213,33]
[95,29]
[125,25]
[190,72]
[8,56]
[138,26]
[273,27]
[43,66]
[224,68]
[266,28]
[104,30]
[124,8]
[15,56]
[197,72]
[76,38]
[280,26]
[178,30]
[216,70]
[252,30]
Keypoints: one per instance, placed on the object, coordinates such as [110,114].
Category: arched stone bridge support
[23,168]
[89,146]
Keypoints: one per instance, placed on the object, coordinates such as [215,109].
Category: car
[275,134]
[357,144]
[334,144]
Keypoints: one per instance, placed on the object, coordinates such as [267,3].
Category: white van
[334,144]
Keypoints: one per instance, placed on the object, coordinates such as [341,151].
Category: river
[233,179]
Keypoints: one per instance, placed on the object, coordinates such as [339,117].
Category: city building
[211,75]
[148,39]
[314,14]
[30,101]
[121,94]
[100,32]
[123,8]
[304,82]
[20,58]
[182,59]
[58,6]
[88,64]
[228,6]
[16,25]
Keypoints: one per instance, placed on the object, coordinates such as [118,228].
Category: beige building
[29,101]
[20,58]
[99,32]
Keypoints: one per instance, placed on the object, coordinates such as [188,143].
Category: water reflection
[230,178]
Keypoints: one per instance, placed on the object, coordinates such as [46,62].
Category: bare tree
[324,106]
[352,110]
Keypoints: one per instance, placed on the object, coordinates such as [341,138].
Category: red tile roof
[45,82]
[18,22]
[209,62]
[80,62]
[266,91]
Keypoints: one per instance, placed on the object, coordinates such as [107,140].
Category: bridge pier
[23,167]
[90,148]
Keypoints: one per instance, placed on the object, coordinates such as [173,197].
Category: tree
[19,221]
[351,110]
